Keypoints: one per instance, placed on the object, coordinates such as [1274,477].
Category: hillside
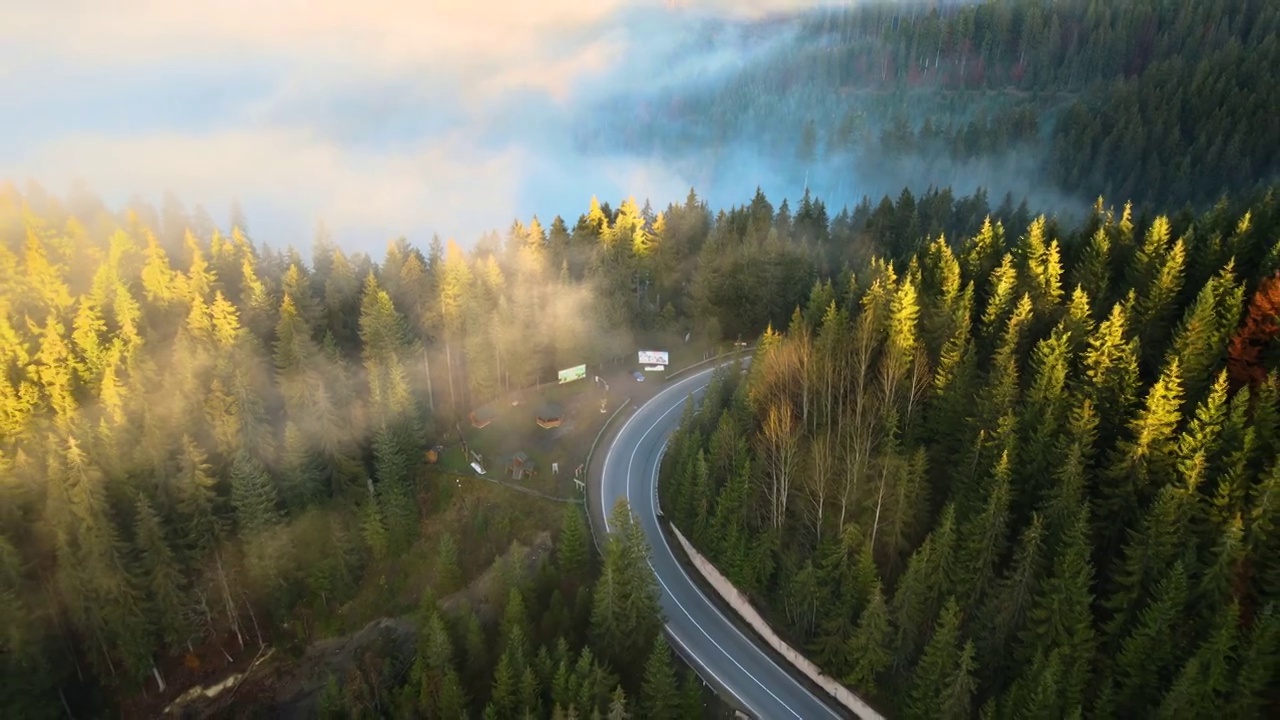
[1031,474]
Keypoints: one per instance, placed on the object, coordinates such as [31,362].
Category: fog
[390,118]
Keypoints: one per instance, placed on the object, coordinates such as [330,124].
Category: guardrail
[737,600]
[719,357]
[626,402]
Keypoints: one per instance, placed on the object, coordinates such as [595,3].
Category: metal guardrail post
[587,469]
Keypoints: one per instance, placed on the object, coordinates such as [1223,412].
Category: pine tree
[920,593]
[573,549]
[1262,534]
[301,477]
[392,466]
[253,494]
[1111,372]
[1060,622]
[871,643]
[625,616]
[448,572]
[618,706]
[1042,423]
[514,634]
[1256,667]
[373,528]
[505,700]
[942,683]
[1200,341]
[1157,298]
[1143,462]
[1203,684]
[161,575]
[14,613]
[691,702]
[1002,618]
[1152,649]
[93,575]
[196,500]
[530,705]
[1152,546]
[1037,693]
[659,698]
[983,539]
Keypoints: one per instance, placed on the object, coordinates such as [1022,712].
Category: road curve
[724,655]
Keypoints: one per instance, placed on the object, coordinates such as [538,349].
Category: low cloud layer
[381,118]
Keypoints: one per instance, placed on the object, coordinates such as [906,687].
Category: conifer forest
[1010,459]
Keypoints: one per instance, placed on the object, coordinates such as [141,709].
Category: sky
[381,118]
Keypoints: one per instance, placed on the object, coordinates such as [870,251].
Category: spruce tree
[161,575]
[573,549]
[941,685]
[659,696]
[871,644]
[1203,684]
[625,617]
[253,494]
[1153,649]
[1060,623]
[448,572]
[505,699]
[1255,670]
[618,706]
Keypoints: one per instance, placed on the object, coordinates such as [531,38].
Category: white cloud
[293,172]
[382,115]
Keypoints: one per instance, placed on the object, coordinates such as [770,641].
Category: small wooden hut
[482,416]
[550,415]
[519,465]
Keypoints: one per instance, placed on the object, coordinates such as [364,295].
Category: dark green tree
[659,695]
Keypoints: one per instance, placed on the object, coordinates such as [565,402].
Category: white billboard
[653,357]
[570,374]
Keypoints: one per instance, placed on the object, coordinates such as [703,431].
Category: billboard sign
[653,357]
[573,373]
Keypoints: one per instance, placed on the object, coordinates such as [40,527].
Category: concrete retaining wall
[739,602]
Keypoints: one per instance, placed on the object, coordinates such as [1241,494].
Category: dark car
[639,376]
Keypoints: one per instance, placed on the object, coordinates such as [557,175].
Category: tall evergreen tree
[659,696]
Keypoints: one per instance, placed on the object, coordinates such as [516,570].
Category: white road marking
[604,472]
[726,652]
[706,601]
[690,653]
[697,590]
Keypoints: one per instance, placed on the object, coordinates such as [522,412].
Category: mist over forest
[416,133]
[1007,447]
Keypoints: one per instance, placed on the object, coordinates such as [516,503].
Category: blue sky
[379,117]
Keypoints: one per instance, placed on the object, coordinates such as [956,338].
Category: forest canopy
[1032,473]
[203,435]
[1163,103]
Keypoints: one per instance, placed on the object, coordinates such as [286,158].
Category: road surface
[724,655]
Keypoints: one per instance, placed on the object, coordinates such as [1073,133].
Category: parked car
[639,376]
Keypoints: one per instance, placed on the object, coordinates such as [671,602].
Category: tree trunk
[67,708]
[105,653]
[155,672]
[232,616]
[426,363]
[62,633]
[253,618]
[448,358]
[875,525]
[497,368]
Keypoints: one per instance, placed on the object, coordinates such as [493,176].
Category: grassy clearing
[514,429]
[480,518]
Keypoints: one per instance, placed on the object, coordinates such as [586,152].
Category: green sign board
[573,373]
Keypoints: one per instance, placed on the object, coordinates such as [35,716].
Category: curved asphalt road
[734,664]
